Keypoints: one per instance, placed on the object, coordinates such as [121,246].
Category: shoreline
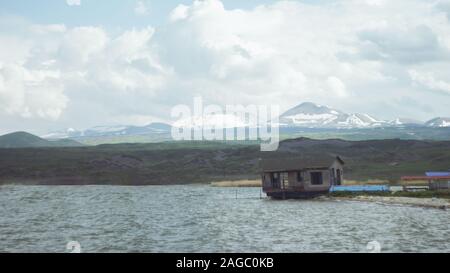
[245,183]
[425,202]
[436,203]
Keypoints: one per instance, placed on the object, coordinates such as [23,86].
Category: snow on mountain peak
[309,114]
[405,121]
[439,122]
[212,121]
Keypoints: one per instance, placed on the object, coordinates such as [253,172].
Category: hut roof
[298,163]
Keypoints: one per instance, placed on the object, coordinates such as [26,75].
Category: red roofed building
[436,180]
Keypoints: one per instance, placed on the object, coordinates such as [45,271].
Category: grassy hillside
[409,132]
[201,162]
[26,140]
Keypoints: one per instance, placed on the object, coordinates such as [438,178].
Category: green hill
[202,162]
[27,140]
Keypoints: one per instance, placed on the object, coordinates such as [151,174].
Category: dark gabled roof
[298,163]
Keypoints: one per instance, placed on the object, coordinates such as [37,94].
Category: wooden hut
[286,178]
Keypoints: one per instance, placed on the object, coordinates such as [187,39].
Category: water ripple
[206,219]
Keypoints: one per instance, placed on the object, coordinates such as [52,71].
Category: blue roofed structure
[437,174]
[360,188]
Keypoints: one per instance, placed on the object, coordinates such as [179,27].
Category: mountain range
[312,115]
[305,115]
[438,122]
[121,130]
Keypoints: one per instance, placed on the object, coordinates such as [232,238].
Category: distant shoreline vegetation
[170,163]
[237,183]
[352,134]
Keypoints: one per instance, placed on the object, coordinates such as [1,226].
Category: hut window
[316,178]
[299,177]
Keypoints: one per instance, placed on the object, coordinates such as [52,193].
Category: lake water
[205,219]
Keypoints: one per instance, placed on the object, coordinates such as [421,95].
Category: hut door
[275,177]
[338,178]
[284,180]
[333,176]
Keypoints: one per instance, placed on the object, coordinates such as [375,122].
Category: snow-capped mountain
[438,122]
[312,115]
[213,121]
[406,122]
[305,115]
[101,131]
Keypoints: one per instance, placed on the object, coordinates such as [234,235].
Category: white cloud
[261,52]
[290,52]
[429,80]
[179,13]
[141,8]
[81,66]
[29,93]
[337,86]
[411,45]
[382,53]
[73,2]
[444,6]
[375,2]
[80,44]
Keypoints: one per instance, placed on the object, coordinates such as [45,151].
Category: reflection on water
[206,219]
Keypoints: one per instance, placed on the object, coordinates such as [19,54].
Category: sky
[84,63]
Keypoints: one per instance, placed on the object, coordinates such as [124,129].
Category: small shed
[301,177]
[436,180]
[439,180]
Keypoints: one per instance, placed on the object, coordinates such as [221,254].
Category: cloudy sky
[81,63]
